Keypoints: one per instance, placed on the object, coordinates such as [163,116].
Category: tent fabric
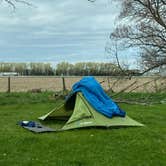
[97,98]
[88,106]
[82,114]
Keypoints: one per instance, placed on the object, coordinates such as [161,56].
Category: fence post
[9,85]
[63,83]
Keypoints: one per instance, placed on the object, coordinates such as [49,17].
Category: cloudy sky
[57,30]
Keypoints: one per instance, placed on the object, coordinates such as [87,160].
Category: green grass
[137,146]
[149,98]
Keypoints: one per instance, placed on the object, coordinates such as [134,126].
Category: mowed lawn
[133,146]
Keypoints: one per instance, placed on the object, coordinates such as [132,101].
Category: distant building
[163,71]
[160,71]
[9,74]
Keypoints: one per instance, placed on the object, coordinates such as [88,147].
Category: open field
[138,146]
[135,84]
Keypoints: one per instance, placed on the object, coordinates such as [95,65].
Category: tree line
[65,68]
[91,68]
[27,68]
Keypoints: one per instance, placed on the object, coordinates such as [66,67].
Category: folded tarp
[35,126]
[97,98]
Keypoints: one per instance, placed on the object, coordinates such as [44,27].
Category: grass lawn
[137,146]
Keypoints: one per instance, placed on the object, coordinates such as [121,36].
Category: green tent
[78,113]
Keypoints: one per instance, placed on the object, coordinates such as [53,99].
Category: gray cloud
[56,30]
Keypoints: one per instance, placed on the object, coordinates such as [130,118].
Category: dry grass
[136,84]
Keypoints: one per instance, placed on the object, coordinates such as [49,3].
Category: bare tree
[13,3]
[114,52]
[144,27]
